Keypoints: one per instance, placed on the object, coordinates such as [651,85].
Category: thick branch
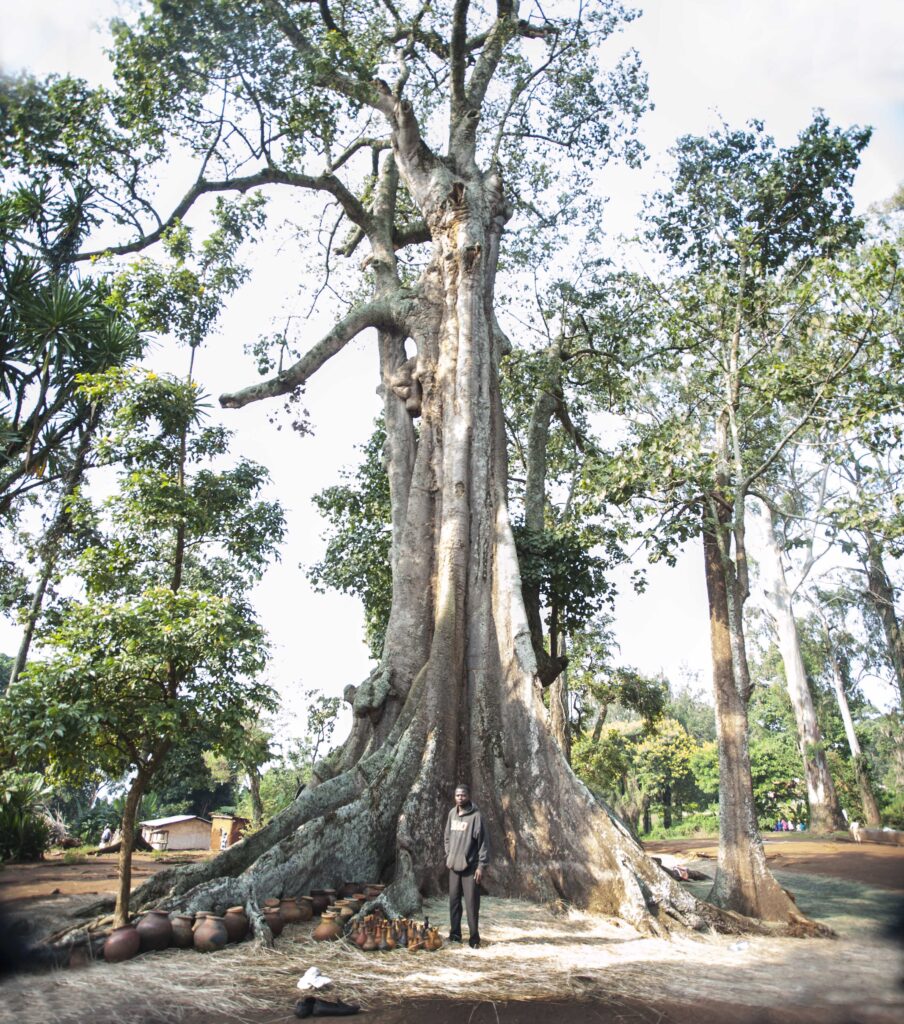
[266,176]
[375,314]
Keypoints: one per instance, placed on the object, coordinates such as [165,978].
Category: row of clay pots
[376,933]
[157,930]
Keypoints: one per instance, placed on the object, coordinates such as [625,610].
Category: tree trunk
[50,544]
[881,596]
[825,810]
[559,718]
[549,664]
[127,833]
[867,796]
[645,810]
[743,882]
[254,789]
[667,806]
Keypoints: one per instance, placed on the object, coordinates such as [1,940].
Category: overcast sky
[776,60]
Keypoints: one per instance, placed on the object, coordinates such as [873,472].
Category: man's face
[462,797]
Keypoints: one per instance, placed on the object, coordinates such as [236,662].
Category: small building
[226,829]
[181,832]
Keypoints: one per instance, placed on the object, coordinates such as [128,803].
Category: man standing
[467,853]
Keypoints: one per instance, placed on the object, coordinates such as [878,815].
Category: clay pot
[183,925]
[274,920]
[350,889]
[273,902]
[236,923]
[433,941]
[210,933]
[343,910]
[305,908]
[373,889]
[122,944]
[155,930]
[370,941]
[329,928]
[322,898]
[289,909]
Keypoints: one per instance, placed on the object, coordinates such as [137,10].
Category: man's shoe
[304,1007]
[474,942]
[454,938]
[337,1009]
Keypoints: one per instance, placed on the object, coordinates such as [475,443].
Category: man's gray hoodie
[466,839]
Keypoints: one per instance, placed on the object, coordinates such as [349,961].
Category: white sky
[772,59]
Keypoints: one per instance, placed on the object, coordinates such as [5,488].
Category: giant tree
[428,125]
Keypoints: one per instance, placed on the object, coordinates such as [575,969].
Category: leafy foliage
[24,825]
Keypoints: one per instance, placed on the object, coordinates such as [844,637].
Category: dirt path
[537,967]
[869,863]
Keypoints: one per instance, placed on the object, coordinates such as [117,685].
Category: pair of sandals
[311,1006]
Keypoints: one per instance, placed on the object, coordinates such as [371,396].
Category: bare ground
[536,966]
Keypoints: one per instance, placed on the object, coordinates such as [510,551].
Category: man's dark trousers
[461,883]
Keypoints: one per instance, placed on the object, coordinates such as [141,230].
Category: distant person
[106,835]
[467,853]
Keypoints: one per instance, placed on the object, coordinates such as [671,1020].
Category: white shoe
[312,978]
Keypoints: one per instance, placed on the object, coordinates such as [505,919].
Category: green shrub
[700,825]
[24,825]
[893,811]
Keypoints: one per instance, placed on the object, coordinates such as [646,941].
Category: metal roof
[157,822]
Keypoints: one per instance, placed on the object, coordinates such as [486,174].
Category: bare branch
[266,176]
[381,314]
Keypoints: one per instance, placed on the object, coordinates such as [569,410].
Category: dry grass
[529,953]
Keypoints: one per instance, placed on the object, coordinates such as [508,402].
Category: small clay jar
[329,928]
[182,930]
[274,920]
[272,902]
[236,923]
[359,936]
[288,908]
[155,930]
[305,908]
[122,944]
[433,941]
[210,933]
[370,941]
[373,889]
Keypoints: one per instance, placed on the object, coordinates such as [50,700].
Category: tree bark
[865,786]
[881,595]
[742,882]
[825,810]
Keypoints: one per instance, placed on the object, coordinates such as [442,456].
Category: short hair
[464,786]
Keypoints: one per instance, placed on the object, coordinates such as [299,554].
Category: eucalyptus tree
[422,125]
[748,354]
